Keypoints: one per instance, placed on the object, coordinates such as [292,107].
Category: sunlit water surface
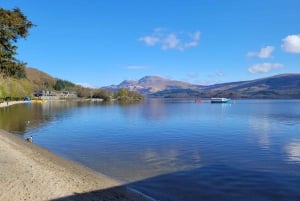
[175,149]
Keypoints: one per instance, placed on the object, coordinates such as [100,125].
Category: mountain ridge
[277,86]
[150,84]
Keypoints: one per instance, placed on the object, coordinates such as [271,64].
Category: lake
[175,149]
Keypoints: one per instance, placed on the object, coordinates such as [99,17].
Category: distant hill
[279,86]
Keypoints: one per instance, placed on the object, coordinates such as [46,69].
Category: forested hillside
[17,88]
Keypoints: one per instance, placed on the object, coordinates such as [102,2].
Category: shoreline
[10,103]
[29,172]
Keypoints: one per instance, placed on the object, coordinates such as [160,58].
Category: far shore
[29,172]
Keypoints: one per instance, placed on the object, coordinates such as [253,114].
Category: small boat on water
[219,100]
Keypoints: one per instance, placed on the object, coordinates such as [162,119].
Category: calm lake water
[176,149]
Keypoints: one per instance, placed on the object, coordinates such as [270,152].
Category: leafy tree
[123,93]
[13,25]
[135,95]
[83,92]
[101,93]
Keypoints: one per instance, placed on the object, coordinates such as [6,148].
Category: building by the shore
[54,95]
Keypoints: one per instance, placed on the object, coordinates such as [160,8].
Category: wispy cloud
[212,78]
[265,52]
[192,75]
[291,44]
[87,85]
[136,67]
[150,40]
[171,40]
[264,67]
[219,74]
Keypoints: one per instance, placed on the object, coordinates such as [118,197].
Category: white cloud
[195,40]
[264,67]
[149,40]
[136,67]
[291,44]
[265,52]
[171,40]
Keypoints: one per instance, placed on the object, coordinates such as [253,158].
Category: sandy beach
[29,172]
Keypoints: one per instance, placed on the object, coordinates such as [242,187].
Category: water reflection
[16,118]
[21,118]
[261,129]
[171,159]
[293,151]
[154,109]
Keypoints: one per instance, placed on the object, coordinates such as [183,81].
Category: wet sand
[28,172]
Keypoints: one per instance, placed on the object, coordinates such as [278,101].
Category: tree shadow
[210,183]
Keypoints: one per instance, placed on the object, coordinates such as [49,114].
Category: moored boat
[219,100]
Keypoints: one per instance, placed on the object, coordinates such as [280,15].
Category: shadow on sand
[214,183]
[112,194]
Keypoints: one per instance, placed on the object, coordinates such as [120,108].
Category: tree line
[121,95]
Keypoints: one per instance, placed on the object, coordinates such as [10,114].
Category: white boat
[219,100]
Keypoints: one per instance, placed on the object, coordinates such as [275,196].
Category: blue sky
[103,42]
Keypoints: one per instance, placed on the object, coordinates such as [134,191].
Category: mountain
[279,86]
[152,84]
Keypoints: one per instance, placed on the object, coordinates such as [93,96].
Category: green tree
[63,85]
[102,93]
[123,93]
[13,25]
